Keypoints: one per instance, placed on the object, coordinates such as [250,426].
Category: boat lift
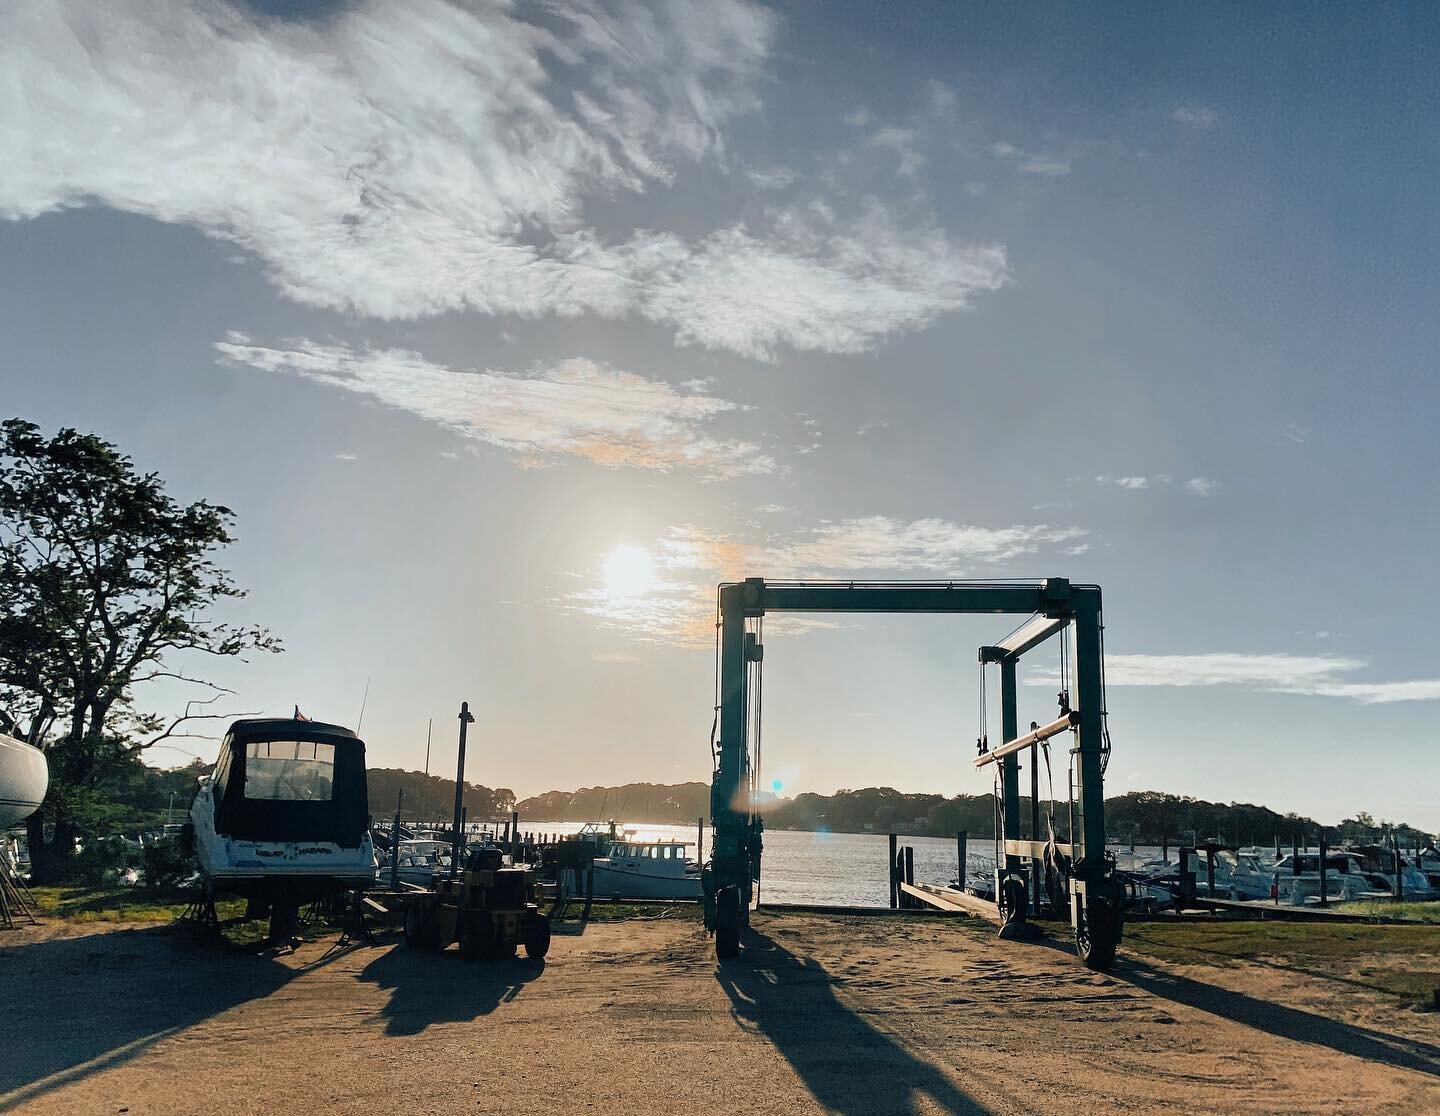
[1095,895]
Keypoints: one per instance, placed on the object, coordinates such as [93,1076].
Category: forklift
[488,908]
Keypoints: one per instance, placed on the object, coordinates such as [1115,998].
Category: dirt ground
[847,1015]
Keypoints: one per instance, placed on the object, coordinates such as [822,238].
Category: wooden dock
[950,900]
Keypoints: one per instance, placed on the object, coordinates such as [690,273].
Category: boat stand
[16,901]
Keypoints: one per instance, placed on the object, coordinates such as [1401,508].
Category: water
[835,869]
[841,869]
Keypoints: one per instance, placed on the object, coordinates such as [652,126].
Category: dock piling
[894,884]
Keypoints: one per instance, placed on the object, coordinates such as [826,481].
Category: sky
[509,330]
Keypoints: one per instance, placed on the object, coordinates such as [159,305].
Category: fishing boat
[635,869]
[283,818]
[24,778]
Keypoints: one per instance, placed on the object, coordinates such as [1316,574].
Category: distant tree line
[432,798]
[1145,817]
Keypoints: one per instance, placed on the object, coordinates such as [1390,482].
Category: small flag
[300,716]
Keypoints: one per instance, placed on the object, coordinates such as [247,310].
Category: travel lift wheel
[1098,928]
[727,923]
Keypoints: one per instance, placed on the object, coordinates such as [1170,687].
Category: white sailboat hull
[24,778]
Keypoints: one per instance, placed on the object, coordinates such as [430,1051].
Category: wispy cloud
[576,408]
[1046,166]
[690,562]
[403,160]
[1197,116]
[1313,675]
[1202,486]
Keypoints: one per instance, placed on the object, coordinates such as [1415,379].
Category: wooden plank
[948,899]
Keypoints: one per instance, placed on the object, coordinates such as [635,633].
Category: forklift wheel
[420,931]
[477,939]
[537,938]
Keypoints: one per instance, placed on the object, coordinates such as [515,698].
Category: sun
[629,572]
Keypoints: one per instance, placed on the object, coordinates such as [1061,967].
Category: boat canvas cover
[286,780]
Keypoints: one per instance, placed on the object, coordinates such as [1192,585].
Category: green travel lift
[1055,607]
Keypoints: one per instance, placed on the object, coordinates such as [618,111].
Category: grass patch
[622,912]
[120,904]
[1400,960]
[1380,908]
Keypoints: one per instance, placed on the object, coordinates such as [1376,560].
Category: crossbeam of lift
[1055,606]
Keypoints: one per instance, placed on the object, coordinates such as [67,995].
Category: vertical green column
[1009,765]
[726,791]
[1089,835]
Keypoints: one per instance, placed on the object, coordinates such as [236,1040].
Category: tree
[104,580]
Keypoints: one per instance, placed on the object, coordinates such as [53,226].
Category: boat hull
[24,778]
[611,883]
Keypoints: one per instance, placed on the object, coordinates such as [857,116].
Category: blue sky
[508,331]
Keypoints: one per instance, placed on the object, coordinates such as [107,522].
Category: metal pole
[466,719]
[429,726]
[894,891]
[1009,765]
[395,845]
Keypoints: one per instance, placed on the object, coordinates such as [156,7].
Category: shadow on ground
[1280,1020]
[443,987]
[76,1006]
[849,1065]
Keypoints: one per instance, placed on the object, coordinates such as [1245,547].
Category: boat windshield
[289,770]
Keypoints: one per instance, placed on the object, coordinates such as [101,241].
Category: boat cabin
[279,779]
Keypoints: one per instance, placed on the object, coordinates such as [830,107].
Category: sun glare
[629,572]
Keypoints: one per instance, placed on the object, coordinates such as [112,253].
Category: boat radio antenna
[363,699]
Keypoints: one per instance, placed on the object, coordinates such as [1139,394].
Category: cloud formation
[403,160]
[1314,675]
[1197,116]
[576,408]
[690,561]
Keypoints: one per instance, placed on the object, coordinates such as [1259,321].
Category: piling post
[1165,848]
[1278,853]
[514,834]
[700,840]
[1294,855]
[1324,897]
[894,890]
[1210,870]
[961,839]
[395,845]
[466,719]
[910,865]
[1399,874]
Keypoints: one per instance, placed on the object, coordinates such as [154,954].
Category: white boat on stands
[634,869]
[283,818]
[419,861]
[24,777]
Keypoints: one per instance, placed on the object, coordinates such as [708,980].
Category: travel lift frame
[1096,898]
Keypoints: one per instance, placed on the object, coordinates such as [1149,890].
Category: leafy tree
[104,580]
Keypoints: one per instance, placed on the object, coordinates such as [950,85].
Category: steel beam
[1032,633]
[758,597]
[1034,736]
[1009,765]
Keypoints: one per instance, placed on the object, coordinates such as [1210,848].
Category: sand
[824,1014]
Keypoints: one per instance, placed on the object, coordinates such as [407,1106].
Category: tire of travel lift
[1097,933]
[727,923]
[536,936]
